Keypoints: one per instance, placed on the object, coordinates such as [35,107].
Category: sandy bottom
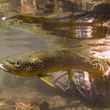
[31,99]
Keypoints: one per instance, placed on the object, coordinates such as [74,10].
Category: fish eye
[17,62]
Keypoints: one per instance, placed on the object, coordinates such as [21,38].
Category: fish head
[23,66]
[10,66]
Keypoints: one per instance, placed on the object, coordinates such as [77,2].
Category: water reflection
[84,32]
[90,38]
[78,31]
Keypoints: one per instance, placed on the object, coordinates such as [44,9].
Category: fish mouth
[2,67]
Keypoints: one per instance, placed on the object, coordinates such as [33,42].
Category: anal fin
[48,81]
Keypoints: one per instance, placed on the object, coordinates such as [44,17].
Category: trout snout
[3,67]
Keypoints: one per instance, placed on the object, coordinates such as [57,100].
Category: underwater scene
[54,55]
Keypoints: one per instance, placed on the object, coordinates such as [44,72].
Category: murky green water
[26,38]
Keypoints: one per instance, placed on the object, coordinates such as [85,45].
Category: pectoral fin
[48,81]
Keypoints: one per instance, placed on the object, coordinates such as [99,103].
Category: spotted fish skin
[47,65]
[41,63]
